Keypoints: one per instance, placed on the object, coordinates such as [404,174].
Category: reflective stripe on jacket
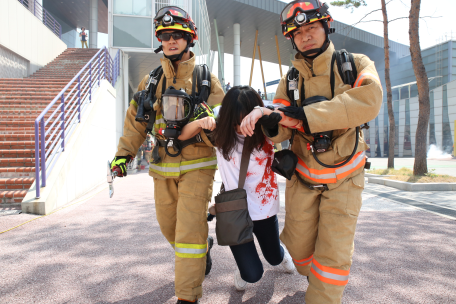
[193,157]
[329,175]
[350,107]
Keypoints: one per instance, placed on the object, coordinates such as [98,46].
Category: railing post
[106,64]
[34,8]
[43,153]
[79,98]
[62,109]
[60,31]
[99,69]
[37,159]
[44,17]
[53,27]
[90,82]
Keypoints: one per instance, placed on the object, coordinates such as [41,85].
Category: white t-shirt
[260,183]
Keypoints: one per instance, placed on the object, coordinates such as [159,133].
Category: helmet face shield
[291,10]
[173,12]
[301,13]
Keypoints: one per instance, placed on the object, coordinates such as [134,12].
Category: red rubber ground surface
[111,251]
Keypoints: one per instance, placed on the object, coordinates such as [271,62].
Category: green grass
[406,175]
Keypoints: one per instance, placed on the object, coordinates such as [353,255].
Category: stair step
[11,197]
[15,184]
[17,162]
[17,144]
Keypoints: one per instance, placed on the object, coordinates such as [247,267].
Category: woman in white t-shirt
[260,184]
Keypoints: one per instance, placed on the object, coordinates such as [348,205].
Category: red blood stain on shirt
[232,159]
[250,174]
[267,189]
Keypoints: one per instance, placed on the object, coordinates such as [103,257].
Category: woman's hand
[248,123]
[207,123]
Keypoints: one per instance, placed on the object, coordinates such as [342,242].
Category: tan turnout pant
[181,207]
[319,232]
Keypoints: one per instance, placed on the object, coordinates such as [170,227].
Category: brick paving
[111,251]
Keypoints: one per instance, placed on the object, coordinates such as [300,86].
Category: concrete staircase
[21,101]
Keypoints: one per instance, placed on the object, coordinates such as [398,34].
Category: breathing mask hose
[176,146]
[344,162]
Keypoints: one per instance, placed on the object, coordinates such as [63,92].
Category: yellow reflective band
[172,244]
[176,169]
[133,102]
[192,251]
[215,106]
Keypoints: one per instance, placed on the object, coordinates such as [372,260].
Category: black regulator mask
[177,109]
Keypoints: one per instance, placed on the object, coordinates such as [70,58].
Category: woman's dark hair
[239,101]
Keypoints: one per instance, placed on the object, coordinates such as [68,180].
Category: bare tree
[420,166]
[389,95]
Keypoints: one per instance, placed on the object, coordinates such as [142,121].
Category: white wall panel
[27,36]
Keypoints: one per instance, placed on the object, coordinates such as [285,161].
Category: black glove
[270,124]
[270,121]
[297,113]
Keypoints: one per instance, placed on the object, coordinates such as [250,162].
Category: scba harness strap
[201,80]
[349,74]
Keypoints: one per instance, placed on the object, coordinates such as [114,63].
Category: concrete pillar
[221,55]
[93,24]
[237,55]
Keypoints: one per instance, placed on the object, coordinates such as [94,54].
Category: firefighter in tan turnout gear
[333,94]
[183,171]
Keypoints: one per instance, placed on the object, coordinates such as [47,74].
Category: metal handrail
[41,13]
[73,103]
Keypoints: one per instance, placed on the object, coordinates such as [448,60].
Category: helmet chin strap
[177,57]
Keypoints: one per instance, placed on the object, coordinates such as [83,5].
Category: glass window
[133,7]
[132,32]
[447,138]
[407,138]
[432,140]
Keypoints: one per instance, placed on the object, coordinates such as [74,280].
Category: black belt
[184,143]
[322,187]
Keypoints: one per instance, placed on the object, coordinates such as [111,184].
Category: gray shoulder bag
[234,225]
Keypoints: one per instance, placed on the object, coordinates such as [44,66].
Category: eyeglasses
[167,36]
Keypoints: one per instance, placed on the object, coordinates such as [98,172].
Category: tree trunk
[420,166]
[389,94]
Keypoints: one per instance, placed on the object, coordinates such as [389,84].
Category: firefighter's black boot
[210,243]
[183,302]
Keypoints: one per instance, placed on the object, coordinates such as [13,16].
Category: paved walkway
[111,251]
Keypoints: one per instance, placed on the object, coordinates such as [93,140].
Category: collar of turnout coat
[184,69]
[320,64]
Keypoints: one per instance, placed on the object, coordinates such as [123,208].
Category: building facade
[440,64]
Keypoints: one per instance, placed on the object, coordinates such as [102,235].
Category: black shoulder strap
[292,73]
[354,71]
[156,76]
[201,79]
[244,166]
[346,68]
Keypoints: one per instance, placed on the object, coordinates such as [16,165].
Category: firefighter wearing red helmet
[183,171]
[323,196]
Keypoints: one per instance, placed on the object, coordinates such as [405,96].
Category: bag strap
[244,166]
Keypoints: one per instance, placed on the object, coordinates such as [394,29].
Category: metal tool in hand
[110,178]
